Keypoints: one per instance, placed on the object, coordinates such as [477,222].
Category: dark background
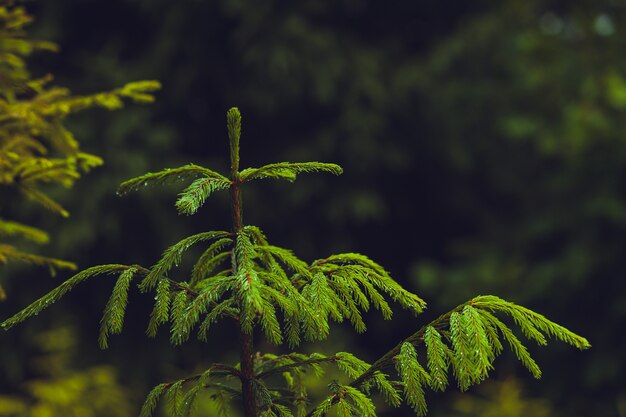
[483,148]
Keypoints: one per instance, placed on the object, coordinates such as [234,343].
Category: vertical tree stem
[247,374]
[246,345]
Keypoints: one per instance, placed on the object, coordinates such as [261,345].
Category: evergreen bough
[242,277]
[36,148]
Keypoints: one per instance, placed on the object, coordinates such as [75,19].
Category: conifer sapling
[241,277]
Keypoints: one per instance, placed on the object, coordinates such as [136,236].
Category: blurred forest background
[484,149]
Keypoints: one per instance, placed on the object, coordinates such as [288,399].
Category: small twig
[295,365]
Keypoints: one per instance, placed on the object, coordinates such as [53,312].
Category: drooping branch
[415,339]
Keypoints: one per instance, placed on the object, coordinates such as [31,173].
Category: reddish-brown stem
[246,345]
[247,374]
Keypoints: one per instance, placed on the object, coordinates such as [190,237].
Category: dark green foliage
[268,288]
[113,318]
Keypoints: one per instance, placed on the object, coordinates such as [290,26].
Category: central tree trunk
[246,345]
[247,374]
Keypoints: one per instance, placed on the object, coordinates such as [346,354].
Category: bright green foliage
[172,257]
[347,401]
[438,359]
[528,319]
[151,400]
[48,299]
[414,378]
[265,287]
[194,196]
[165,176]
[113,318]
[288,171]
[36,149]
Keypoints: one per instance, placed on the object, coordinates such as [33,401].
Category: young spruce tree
[240,276]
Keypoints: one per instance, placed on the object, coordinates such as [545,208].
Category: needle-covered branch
[465,339]
[36,148]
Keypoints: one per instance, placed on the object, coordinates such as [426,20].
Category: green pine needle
[414,378]
[113,318]
[281,410]
[174,398]
[149,405]
[225,308]
[168,175]
[161,311]
[516,346]
[390,393]
[194,196]
[173,256]
[188,314]
[481,354]
[350,364]
[180,328]
[535,319]
[211,259]
[36,307]
[288,170]
[438,359]
[269,323]
[286,257]
[248,288]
